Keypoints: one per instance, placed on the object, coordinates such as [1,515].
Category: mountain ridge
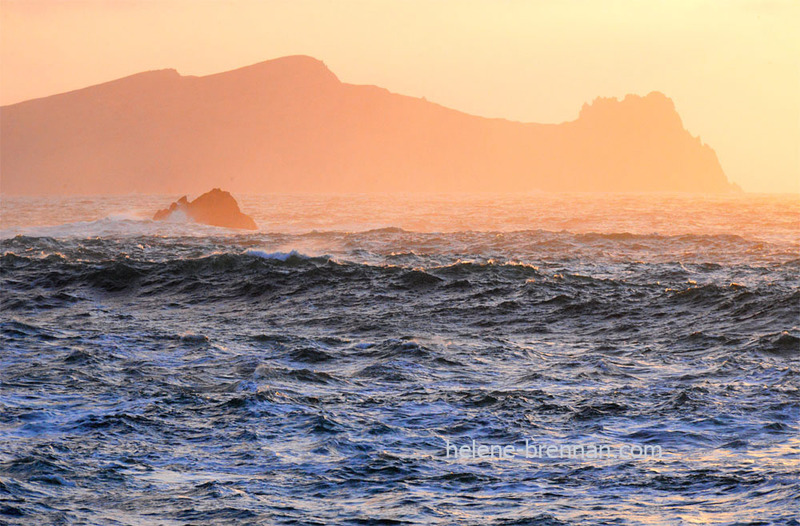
[289,124]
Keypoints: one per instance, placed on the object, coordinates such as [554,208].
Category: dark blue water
[180,374]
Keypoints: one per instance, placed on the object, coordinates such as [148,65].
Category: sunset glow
[434,262]
[731,67]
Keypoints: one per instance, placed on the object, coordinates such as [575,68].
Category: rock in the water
[216,207]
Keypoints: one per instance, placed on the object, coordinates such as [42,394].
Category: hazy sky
[732,67]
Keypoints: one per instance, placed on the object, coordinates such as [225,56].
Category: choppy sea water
[312,372]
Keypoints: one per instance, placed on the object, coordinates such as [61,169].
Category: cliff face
[290,125]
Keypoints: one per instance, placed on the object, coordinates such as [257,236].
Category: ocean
[371,360]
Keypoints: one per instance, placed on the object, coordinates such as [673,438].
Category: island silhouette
[290,125]
[215,207]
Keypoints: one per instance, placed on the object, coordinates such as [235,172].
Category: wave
[279,256]
[253,259]
[628,236]
[118,226]
[491,294]
[131,224]
[142,239]
[291,256]
[387,230]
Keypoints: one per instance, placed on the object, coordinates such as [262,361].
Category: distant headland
[290,125]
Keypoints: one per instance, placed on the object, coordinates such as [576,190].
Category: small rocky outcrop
[216,207]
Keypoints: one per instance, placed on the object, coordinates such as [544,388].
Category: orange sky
[732,67]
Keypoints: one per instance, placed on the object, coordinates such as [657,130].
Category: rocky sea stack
[216,207]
